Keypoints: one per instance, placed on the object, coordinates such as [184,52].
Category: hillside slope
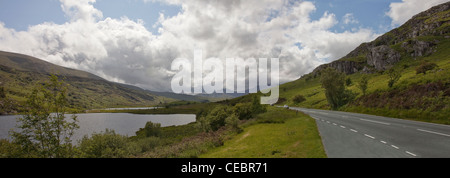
[20,73]
[422,41]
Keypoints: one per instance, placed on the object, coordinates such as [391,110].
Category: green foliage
[363,84]
[150,130]
[243,111]
[394,76]
[425,67]
[298,99]
[232,122]
[107,144]
[2,93]
[348,82]
[334,84]
[44,130]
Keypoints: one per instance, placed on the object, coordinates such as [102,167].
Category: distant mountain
[20,73]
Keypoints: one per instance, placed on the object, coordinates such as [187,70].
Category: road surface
[350,135]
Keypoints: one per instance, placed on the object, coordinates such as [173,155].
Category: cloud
[123,50]
[349,19]
[400,12]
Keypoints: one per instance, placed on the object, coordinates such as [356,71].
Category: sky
[135,41]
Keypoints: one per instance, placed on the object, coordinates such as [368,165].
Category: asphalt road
[350,135]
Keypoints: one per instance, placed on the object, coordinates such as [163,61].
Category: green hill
[20,73]
[418,50]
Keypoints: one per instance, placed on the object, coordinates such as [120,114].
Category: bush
[425,67]
[299,99]
[232,122]
[150,130]
[107,144]
[243,111]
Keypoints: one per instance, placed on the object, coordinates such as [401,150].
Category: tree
[394,76]
[362,85]
[44,131]
[333,82]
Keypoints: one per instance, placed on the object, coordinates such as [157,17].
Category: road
[350,135]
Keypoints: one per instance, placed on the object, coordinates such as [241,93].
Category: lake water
[121,123]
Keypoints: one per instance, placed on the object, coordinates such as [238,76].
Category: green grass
[291,136]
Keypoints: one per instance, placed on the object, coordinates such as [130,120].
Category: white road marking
[384,123]
[383,142]
[369,136]
[437,133]
[334,124]
[343,127]
[328,122]
[412,154]
[395,147]
[353,130]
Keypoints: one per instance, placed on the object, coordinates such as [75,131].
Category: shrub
[425,67]
[232,122]
[107,144]
[363,84]
[243,111]
[299,99]
[150,130]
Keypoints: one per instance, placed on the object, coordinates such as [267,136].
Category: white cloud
[123,50]
[400,12]
[349,18]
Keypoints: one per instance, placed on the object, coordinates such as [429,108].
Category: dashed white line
[393,146]
[369,136]
[334,124]
[437,133]
[353,130]
[383,142]
[343,127]
[384,123]
[412,154]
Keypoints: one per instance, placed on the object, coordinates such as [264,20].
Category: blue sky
[20,14]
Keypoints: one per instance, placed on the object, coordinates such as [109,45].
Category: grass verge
[290,135]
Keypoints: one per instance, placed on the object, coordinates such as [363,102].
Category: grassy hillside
[19,74]
[417,96]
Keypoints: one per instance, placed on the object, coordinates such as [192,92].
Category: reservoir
[121,123]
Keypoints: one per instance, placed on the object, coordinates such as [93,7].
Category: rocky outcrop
[418,48]
[416,38]
[382,57]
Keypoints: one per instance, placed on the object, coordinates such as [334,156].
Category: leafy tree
[44,131]
[394,76]
[362,85]
[257,107]
[243,111]
[333,82]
